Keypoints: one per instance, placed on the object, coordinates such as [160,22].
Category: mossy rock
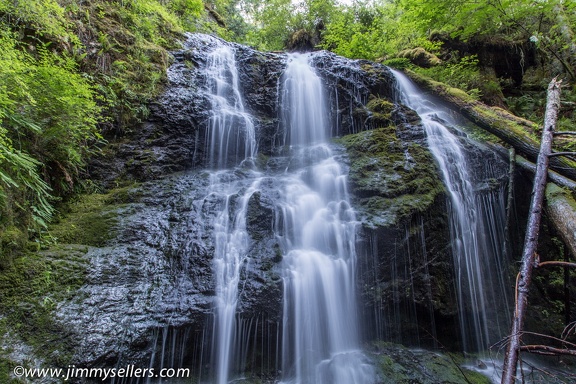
[391,179]
[88,220]
[30,290]
[381,110]
[397,364]
[420,57]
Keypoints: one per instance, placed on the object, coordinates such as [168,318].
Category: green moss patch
[391,179]
[381,110]
[400,365]
[89,219]
[30,289]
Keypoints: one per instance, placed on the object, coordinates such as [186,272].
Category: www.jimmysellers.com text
[73,372]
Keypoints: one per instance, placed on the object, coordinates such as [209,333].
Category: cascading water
[316,228]
[231,140]
[314,225]
[231,135]
[476,226]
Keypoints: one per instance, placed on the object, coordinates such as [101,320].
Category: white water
[231,135]
[316,228]
[231,141]
[474,224]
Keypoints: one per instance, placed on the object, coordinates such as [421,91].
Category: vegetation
[73,73]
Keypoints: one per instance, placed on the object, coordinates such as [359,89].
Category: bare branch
[562,154]
[557,263]
[550,337]
[547,350]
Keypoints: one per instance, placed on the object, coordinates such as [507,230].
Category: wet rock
[397,364]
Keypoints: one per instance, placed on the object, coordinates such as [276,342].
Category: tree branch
[547,350]
[557,263]
[562,154]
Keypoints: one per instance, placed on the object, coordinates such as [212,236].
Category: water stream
[231,140]
[476,226]
[317,230]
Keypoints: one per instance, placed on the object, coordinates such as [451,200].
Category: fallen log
[513,130]
[561,209]
[554,177]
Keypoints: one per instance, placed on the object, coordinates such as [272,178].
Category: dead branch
[547,350]
[563,341]
[532,231]
[562,154]
[557,263]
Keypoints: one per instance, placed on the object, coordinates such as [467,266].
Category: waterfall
[476,226]
[230,141]
[303,104]
[316,227]
[231,136]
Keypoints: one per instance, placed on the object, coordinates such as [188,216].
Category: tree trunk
[568,36]
[532,231]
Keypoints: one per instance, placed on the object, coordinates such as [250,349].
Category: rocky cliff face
[149,285]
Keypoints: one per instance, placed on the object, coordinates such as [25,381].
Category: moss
[554,192]
[393,180]
[30,289]
[123,195]
[381,111]
[12,241]
[6,367]
[500,120]
[89,220]
[420,57]
[398,364]
[440,88]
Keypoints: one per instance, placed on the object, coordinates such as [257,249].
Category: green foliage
[274,21]
[46,17]
[71,73]
[48,118]
[359,32]
[398,63]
